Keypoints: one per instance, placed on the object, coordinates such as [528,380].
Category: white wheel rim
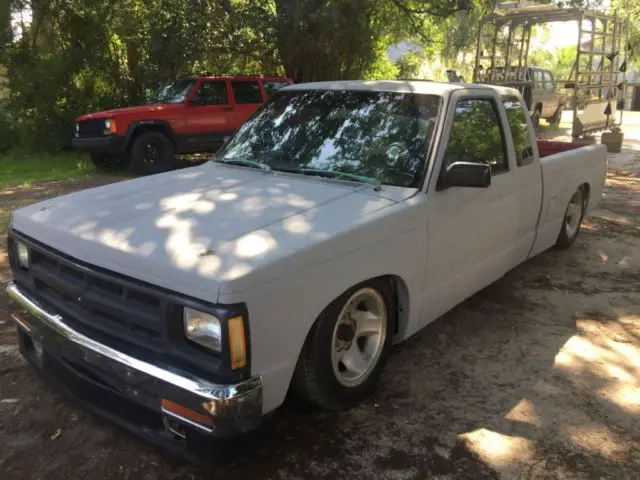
[574,214]
[359,337]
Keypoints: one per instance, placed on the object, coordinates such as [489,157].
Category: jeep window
[212,92]
[246,92]
[272,86]
[174,92]
[380,136]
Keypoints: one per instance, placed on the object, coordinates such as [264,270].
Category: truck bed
[547,147]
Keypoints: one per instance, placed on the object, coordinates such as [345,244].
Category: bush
[7,131]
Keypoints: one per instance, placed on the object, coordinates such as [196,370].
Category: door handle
[227,109]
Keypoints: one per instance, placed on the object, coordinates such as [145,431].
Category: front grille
[91,128]
[96,302]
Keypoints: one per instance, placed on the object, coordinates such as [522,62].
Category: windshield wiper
[333,174]
[245,163]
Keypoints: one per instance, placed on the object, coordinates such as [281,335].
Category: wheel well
[401,292]
[586,190]
[140,129]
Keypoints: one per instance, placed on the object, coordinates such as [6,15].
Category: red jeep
[188,115]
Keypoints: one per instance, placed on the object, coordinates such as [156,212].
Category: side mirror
[466,174]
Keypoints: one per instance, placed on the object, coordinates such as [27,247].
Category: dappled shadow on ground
[535,376]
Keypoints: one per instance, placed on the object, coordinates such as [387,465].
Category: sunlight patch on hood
[236,271]
[254,244]
[297,224]
[184,252]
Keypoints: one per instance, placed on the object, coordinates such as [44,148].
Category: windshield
[174,92]
[379,137]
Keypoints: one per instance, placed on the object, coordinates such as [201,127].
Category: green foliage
[631,10]
[79,56]
[20,167]
[7,131]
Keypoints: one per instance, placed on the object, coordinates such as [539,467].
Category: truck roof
[400,86]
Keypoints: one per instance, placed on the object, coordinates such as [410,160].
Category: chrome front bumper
[233,409]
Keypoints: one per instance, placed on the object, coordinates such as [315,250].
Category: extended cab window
[246,92]
[519,131]
[476,135]
[212,93]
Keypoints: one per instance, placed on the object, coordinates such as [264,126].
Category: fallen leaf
[56,435]
[9,400]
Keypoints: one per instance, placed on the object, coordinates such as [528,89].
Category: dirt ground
[537,376]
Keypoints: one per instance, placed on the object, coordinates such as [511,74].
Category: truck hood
[141,109]
[192,230]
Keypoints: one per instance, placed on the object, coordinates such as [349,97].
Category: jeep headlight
[22,254]
[203,329]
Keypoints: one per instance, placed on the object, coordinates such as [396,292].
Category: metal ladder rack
[596,81]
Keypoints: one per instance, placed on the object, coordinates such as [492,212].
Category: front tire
[572,220]
[346,350]
[152,152]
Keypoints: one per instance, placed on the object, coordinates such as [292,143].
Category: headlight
[22,252]
[109,126]
[203,329]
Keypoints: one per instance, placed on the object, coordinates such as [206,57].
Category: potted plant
[613,139]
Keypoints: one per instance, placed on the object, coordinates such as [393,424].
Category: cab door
[471,231]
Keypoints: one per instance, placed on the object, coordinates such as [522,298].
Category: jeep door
[208,116]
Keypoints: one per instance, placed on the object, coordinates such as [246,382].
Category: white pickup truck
[342,218]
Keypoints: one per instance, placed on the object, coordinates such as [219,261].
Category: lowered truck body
[341,218]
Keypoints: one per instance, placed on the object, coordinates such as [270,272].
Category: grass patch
[20,168]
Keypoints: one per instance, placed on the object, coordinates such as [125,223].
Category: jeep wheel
[107,162]
[152,152]
[345,351]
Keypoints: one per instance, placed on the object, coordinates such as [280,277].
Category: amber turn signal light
[237,343]
[171,407]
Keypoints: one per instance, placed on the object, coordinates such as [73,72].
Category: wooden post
[576,85]
[614,62]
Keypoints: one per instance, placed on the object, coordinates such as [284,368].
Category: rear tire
[345,352]
[572,220]
[109,162]
[152,152]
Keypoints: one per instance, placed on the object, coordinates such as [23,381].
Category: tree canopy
[76,56]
